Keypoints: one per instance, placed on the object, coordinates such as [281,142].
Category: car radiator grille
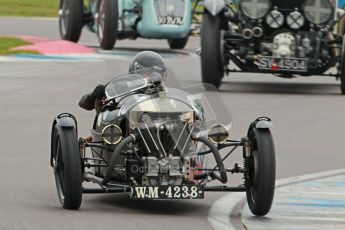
[169,8]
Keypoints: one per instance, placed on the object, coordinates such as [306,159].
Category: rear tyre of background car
[67,167]
[178,43]
[107,23]
[212,68]
[261,172]
[342,81]
[71,19]
[342,68]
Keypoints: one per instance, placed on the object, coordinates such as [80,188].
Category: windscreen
[133,81]
[125,84]
[207,103]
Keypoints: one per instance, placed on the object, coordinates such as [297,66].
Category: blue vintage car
[122,19]
[341,4]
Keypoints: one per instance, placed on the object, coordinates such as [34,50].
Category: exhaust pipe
[247,34]
[222,177]
[257,32]
[111,168]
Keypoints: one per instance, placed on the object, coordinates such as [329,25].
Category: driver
[141,61]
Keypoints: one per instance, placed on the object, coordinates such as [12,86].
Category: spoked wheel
[107,23]
[67,168]
[71,19]
[212,68]
[260,168]
[178,43]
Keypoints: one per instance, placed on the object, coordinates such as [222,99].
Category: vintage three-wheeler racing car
[151,141]
[285,38]
[122,19]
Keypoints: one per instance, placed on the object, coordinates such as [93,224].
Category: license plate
[170,20]
[167,192]
[283,64]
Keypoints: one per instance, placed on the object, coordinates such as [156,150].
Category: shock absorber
[246,156]
[246,174]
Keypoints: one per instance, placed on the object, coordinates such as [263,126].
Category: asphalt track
[313,202]
[308,114]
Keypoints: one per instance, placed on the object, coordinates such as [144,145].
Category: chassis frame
[117,188]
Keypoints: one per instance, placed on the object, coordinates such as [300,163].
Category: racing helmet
[148,60]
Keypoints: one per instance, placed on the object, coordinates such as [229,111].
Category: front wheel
[261,172]
[67,167]
[71,19]
[212,68]
[107,23]
[178,43]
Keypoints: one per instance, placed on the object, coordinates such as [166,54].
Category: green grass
[198,7]
[35,8]
[6,43]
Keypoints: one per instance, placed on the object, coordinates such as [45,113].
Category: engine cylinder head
[283,45]
[247,34]
[257,32]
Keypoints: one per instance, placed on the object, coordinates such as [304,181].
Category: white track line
[84,58]
[219,214]
[53,58]
[30,18]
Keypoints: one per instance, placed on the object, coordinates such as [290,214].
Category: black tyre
[178,43]
[261,171]
[107,23]
[67,167]
[342,68]
[342,82]
[212,68]
[71,19]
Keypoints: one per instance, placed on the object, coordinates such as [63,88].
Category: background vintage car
[123,19]
[284,38]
